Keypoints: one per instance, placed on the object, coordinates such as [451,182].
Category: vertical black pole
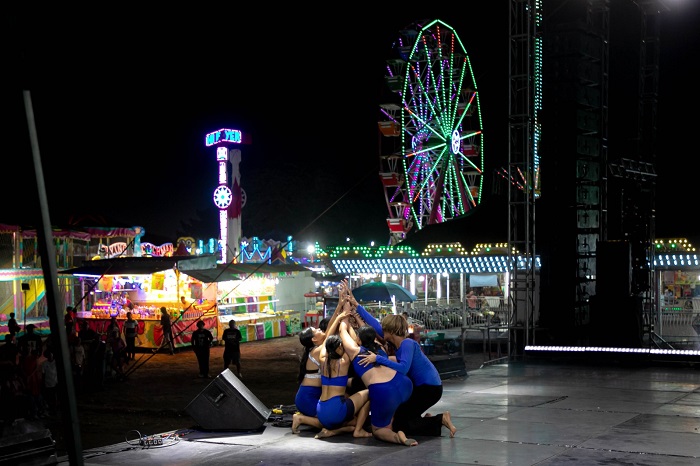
[48,265]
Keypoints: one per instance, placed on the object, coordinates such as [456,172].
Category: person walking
[130,326]
[232,347]
[201,343]
[167,325]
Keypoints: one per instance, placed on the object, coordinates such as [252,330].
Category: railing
[434,318]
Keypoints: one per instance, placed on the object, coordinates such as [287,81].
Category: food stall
[113,287]
[263,299]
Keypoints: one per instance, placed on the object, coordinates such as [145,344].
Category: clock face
[223,197]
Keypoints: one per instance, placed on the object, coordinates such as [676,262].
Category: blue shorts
[306,399]
[385,397]
[336,411]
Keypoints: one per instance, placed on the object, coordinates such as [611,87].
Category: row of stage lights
[430,265]
[602,349]
[689,260]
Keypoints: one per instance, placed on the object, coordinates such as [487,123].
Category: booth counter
[150,332]
[260,326]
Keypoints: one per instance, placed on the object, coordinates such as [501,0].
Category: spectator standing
[184,305]
[167,325]
[77,357]
[232,350]
[113,337]
[472,301]
[90,341]
[12,325]
[31,376]
[69,320]
[201,343]
[130,328]
[30,340]
[49,373]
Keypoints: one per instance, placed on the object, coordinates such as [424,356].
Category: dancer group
[349,383]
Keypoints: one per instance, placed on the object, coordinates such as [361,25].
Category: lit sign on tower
[223,135]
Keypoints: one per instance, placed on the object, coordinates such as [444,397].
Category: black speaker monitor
[227,404]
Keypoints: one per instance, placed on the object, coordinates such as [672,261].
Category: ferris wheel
[431,159]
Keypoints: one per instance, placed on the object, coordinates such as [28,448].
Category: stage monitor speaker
[227,404]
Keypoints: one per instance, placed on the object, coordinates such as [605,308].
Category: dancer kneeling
[336,412]
[309,392]
[387,388]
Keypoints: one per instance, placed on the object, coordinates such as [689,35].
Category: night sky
[122,103]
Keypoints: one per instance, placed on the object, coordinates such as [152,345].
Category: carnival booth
[263,299]
[142,286]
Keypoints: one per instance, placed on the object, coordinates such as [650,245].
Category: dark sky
[122,102]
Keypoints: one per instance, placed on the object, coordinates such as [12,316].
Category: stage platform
[530,412]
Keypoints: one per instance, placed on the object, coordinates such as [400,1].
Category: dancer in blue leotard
[427,385]
[387,388]
[309,378]
[338,412]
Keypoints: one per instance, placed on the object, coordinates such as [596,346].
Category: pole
[25,309]
[71,425]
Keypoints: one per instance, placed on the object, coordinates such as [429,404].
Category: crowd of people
[369,378]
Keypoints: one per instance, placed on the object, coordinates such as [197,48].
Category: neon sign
[223,135]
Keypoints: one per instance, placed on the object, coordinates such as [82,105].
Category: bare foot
[447,422]
[325,433]
[401,438]
[295,423]
[362,433]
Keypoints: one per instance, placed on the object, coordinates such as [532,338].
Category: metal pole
[25,311]
[48,263]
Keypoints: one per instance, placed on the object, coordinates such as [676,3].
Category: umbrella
[380,291]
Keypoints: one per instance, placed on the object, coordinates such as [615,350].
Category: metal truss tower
[524,103]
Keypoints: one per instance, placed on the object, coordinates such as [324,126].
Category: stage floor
[516,414]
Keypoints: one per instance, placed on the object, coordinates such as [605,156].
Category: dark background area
[123,100]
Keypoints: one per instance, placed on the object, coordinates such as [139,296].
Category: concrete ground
[538,412]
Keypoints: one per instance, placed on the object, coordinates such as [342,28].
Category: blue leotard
[370,320]
[336,411]
[306,399]
[414,363]
[340,381]
[385,397]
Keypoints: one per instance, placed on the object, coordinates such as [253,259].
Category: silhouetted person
[232,351]
[12,325]
[201,343]
[167,325]
[130,327]
[30,340]
[69,320]
[49,373]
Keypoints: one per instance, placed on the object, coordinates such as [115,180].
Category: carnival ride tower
[228,196]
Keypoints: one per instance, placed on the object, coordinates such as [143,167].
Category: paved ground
[517,414]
